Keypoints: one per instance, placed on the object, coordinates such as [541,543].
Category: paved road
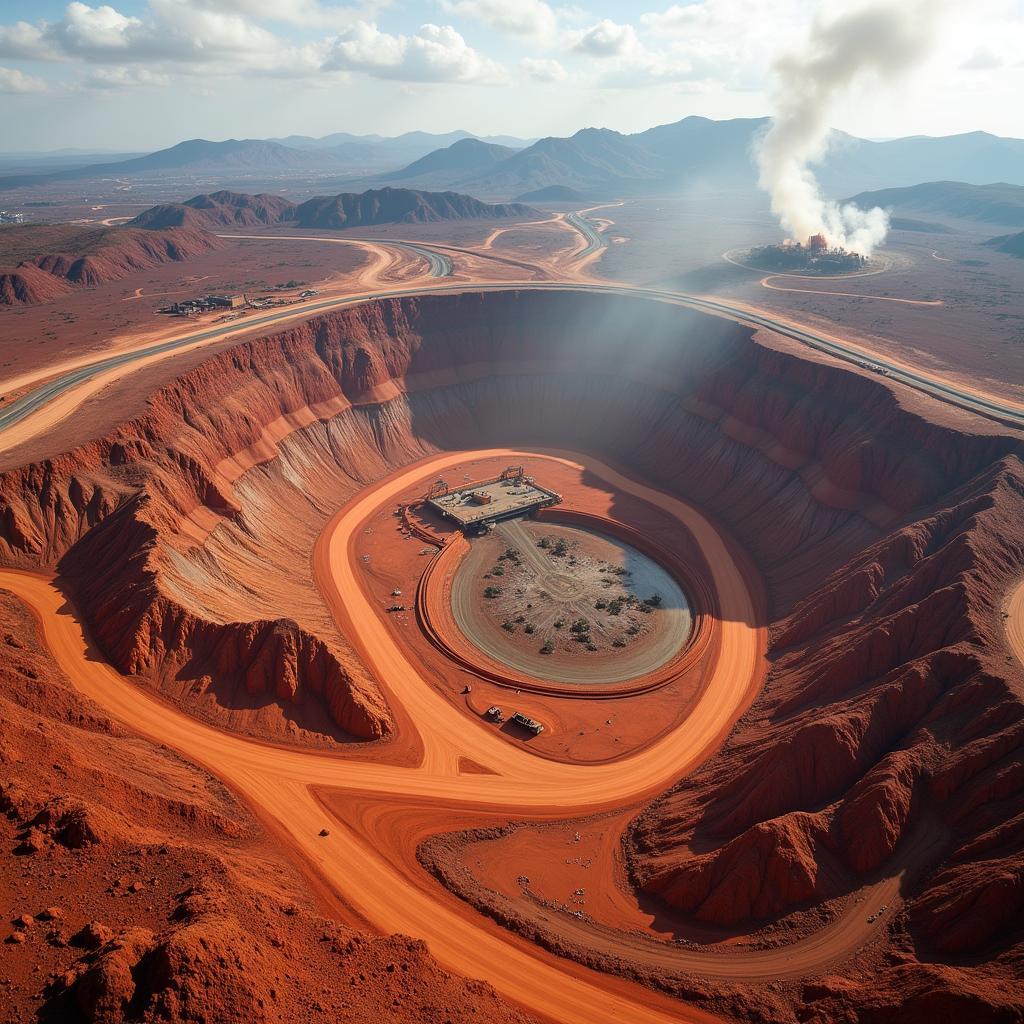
[439,264]
[1006,412]
[595,240]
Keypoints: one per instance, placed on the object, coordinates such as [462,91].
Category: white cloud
[544,70]
[124,78]
[606,39]
[14,81]
[23,41]
[533,18]
[308,13]
[173,30]
[626,62]
[437,53]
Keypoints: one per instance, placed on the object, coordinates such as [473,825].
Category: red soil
[887,531]
[134,887]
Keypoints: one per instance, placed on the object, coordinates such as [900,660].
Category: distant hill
[399,206]
[220,209]
[459,160]
[552,194]
[999,203]
[347,210]
[46,261]
[196,156]
[1012,244]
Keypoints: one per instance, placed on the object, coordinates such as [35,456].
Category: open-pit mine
[507,650]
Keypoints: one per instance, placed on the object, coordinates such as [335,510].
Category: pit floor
[540,590]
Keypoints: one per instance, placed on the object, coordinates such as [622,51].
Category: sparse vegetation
[492,592]
[547,647]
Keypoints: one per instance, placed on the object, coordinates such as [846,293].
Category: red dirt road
[1015,621]
[278,783]
[392,894]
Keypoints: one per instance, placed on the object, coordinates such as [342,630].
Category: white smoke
[879,38]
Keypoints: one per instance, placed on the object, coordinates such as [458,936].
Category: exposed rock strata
[891,719]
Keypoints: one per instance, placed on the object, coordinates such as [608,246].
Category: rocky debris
[92,935]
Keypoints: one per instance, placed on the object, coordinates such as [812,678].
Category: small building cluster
[193,307]
[9,217]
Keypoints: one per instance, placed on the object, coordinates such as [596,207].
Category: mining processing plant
[476,506]
[817,256]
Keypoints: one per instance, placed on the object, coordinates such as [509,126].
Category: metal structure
[527,723]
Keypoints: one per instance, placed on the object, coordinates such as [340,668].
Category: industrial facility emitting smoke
[884,39]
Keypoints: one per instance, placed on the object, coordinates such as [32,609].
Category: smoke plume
[882,39]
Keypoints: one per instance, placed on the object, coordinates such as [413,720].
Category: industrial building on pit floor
[477,506]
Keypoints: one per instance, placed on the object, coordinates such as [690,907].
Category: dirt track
[282,784]
[278,782]
[1015,621]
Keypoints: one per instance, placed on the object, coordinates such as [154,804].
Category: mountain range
[339,154]
[347,210]
[689,154]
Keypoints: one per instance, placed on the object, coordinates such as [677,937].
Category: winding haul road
[282,785]
[290,790]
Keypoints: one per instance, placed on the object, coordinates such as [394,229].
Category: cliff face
[890,729]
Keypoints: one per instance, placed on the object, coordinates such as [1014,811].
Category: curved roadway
[438,264]
[595,240]
[280,784]
[1004,411]
[283,785]
[1015,621]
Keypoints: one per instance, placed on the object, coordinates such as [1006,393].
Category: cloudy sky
[141,74]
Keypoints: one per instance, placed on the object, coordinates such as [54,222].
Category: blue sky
[139,74]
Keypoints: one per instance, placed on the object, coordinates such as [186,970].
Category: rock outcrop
[345,210]
[96,256]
